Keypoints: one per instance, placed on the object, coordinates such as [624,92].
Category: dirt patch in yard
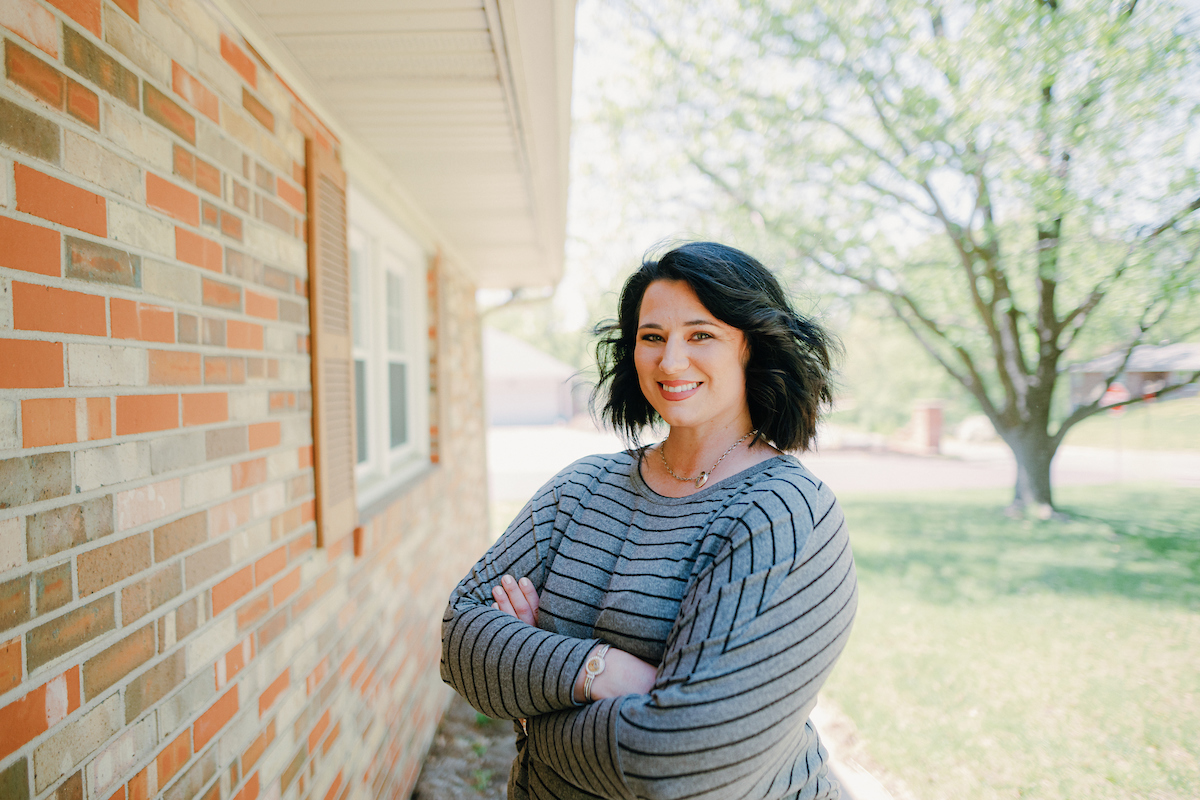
[470,757]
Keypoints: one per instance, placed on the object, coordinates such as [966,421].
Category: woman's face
[690,365]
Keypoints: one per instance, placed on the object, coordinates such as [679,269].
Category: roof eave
[518,245]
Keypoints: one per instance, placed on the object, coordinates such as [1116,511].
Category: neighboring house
[1149,369]
[525,386]
[241,391]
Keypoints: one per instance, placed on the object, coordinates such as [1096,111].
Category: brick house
[241,423]
[1148,369]
[527,386]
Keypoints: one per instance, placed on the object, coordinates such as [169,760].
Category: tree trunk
[1034,451]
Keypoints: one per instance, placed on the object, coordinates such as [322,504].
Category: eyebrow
[658,327]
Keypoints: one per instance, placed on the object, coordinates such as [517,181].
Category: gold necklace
[702,478]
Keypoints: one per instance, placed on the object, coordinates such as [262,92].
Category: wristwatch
[593,667]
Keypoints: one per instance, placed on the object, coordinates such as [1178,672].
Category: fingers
[531,595]
[516,599]
[502,602]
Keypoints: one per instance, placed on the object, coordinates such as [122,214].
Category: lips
[678,390]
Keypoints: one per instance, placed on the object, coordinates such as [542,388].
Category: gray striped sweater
[743,594]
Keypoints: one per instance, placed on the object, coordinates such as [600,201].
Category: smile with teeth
[685,387]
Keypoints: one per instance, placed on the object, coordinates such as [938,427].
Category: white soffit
[466,102]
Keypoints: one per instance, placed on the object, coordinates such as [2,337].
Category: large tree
[1016,178]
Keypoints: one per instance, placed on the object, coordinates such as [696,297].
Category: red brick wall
[167,625]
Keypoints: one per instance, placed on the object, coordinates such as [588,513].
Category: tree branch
[906,201]
[858,76]
[1175,220]
[1093,408]
[1144,324]
[1006,340]
[883,120]
[1078,317]
[871,150]
[1006,345]
[972,381]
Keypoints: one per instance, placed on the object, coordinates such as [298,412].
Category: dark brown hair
[788,371]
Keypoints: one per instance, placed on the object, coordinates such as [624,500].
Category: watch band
[591,668]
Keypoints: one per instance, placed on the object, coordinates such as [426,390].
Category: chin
[675,419]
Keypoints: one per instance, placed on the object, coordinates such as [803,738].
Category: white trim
[535,80]
[540,80]
[390,249]
[359,161]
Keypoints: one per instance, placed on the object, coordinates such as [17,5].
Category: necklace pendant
[701,480]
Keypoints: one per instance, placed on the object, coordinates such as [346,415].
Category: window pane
[398,400]
[360,407]
[395,312]
[358,288]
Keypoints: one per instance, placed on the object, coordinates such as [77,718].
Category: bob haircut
[788,372]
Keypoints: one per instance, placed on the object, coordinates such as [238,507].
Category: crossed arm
[624,673]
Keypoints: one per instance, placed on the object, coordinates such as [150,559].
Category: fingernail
[507,580]
[526,582]
[496,591]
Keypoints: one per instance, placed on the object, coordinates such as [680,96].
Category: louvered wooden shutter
[332,357]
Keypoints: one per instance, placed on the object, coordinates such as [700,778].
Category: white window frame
[388,248]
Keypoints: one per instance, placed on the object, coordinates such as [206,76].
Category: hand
[517,598]
[624,673]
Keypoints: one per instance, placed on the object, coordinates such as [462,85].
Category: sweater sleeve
[502,666]
[757,634]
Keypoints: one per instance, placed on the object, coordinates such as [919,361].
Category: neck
[691,451]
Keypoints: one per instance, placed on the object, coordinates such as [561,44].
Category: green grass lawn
[1000,658]
[1168,425]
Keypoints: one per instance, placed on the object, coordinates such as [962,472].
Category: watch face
[594,664]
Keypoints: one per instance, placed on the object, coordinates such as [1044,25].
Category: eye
[651,337]
[702,335]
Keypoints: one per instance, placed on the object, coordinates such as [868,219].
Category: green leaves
[1006,174]
[887,126]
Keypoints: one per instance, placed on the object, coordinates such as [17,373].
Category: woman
[661,619]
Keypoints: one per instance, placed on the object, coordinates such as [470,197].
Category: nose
[674,357]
